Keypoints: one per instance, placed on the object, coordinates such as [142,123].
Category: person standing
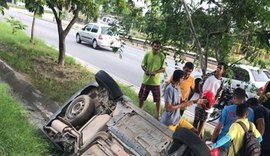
[153,64]
[261,120]
[265,97]
[228,117]
[236,132]
[187,86]
[213,83]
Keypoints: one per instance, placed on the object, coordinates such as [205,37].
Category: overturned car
[99,120]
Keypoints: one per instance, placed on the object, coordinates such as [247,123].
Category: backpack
[251,145]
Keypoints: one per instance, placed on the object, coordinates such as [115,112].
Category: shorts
[145,89]
[200,114]
[183,123]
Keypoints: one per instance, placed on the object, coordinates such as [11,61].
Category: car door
[85,32]
[93,34]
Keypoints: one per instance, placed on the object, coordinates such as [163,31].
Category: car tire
[78,38]
[106,81]
[80,110]
[197,84]
[192,141]
[95,45]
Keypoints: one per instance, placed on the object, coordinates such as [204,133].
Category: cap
[210,97]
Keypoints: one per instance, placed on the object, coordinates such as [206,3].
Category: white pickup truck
[100,121]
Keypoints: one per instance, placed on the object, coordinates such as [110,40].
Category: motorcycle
[224,100]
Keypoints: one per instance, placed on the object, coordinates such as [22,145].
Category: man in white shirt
[212,82]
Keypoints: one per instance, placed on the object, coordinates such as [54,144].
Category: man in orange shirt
[187,85]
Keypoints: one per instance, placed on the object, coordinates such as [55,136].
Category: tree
[3,5]
[213,30]
[37,7]
[90,8]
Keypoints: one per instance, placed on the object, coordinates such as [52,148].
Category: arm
[160,70]
[260,125]
[219,90]
[192,90]
[216,132]
[171,107]
[264,94]
[221,141]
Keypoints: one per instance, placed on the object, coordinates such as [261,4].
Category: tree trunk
[197,42]
[62,49]
[32,28]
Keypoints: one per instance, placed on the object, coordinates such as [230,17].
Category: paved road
[127,68]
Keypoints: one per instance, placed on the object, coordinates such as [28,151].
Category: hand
[189,103]
[267,94]
[202,101]
[150,73]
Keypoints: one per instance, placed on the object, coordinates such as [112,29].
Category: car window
[94,29]
[107,31]
[240,74]
[259,75]
[88,27]
[267,73]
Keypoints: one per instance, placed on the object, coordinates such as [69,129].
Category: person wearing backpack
[245,138]
[262,122]
[228,117]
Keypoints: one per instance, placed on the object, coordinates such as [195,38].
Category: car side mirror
[83,28]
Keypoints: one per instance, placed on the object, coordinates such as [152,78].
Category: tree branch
[72,22]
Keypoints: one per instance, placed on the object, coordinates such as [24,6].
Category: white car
[98,35]
[243,76]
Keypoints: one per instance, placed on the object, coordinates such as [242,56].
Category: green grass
[18,136]
[149,106]
[39,63]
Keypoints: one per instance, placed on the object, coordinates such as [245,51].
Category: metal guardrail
[169,49]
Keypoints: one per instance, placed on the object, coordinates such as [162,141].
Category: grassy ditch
[18,136]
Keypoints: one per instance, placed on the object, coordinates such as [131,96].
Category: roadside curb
[24,91]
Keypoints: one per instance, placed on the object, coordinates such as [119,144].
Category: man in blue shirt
[261,120]
[228,117]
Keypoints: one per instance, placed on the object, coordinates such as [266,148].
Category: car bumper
[112,44]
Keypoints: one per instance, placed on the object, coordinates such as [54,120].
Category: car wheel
[95,45]
[80,110]
[78,38]
[197,82]
[192,141]
[106,81]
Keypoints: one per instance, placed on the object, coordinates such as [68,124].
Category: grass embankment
[18,136]
[39,64]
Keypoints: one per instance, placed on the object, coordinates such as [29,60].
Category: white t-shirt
[212,84]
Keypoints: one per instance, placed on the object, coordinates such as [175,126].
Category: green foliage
[15,24]
[18,136]
[3,5]
[218,27]
[36,6]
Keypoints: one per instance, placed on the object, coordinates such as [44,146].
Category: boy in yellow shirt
[236,132]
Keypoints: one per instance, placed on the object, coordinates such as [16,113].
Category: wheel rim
[78,38]
[76,109]
[95,44]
